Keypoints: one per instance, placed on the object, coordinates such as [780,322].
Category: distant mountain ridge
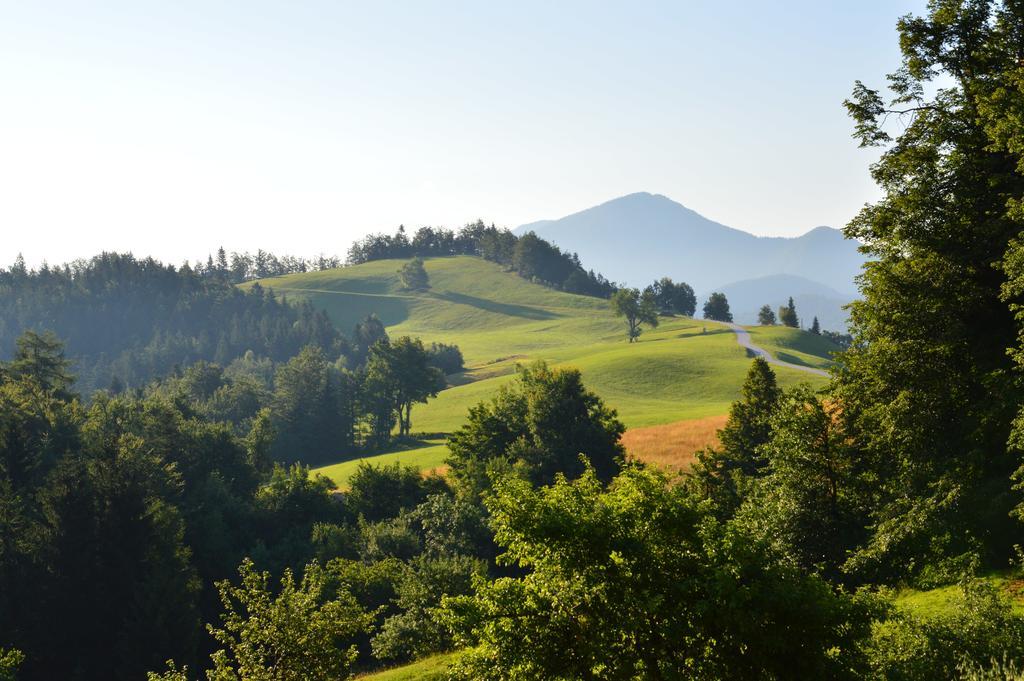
[812,299]
[636,238]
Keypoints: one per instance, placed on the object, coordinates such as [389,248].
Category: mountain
[640,237]
[812,299]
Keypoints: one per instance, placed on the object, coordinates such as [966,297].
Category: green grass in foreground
[428,669]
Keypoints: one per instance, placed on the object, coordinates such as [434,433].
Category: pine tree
[787,315]
[765,316]
[748,428]
[816,327]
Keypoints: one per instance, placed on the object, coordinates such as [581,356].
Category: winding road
[743,338]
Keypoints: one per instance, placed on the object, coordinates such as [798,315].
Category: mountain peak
[639,237]
[823,230]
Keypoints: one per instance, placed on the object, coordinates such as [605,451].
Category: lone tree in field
[414,275]
[816,327]
[765,316]
[787,315]
[638,308]
[717,308]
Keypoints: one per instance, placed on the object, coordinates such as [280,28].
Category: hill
[685,369]
[811,298]
[639,237]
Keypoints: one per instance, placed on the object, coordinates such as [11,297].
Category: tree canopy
[635,581]
[673,298]
[637,308]
[717,308]
[927,387]
[414,275]
[765,316]
[539,426]
[787,315]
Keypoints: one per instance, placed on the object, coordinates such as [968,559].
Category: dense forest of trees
[528,255]
[127,321]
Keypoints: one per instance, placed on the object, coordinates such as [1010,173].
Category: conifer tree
[720,470]
[787,315]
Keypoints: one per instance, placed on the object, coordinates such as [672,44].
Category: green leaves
[928,392]
[537,427]
[414,275]
[638,308]
[636,581]
[297,634]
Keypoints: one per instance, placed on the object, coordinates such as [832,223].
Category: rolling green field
[684,369]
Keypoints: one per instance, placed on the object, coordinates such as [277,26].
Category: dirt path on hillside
[743,338]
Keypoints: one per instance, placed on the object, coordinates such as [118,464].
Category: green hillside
[684,369]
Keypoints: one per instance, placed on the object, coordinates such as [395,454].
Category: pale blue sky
[169,128]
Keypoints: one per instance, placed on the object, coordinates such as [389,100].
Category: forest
[158,519]
[528,255]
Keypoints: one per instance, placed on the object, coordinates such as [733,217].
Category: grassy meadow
[684,372]
[430,668]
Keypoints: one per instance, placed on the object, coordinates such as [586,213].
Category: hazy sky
[169,128]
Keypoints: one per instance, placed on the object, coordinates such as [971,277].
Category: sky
[169,129]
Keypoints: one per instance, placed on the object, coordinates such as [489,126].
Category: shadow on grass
[793,359]
[696,333]
[524,311]
[396,446]
[346,310]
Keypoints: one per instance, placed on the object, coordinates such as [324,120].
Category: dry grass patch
[672,445]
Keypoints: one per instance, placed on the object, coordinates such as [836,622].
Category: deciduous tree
[636,582]
[414,275]
[539,426]
[401,369]
[637,308]
[717,308]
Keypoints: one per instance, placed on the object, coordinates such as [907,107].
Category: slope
[684,369]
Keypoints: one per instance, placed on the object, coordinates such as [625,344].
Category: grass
[429,457]
[805,349]
[946,599]
[684,370]
[428,669]
[672,445]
